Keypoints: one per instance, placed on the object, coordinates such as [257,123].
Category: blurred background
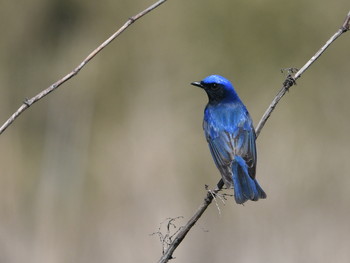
[89,172]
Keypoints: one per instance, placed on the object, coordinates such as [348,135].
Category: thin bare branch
[28,102]
[289,82]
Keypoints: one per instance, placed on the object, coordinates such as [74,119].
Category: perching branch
[28,102]
[289,82]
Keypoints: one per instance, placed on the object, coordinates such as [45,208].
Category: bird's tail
[245,188]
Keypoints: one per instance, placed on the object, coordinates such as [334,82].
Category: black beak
[198,84]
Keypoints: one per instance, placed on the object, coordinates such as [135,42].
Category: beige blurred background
[89,172]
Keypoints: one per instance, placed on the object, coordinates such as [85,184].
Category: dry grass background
[89,172]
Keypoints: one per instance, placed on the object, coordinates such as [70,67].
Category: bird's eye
[214,86]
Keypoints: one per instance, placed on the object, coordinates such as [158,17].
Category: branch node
[132,19]
[27,102]
[289,82]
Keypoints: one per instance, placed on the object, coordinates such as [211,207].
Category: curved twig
[289,82]
[28,102]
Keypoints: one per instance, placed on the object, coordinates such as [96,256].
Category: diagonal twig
[28,102]
[289,82]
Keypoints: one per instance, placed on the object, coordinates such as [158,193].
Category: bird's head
[218,89]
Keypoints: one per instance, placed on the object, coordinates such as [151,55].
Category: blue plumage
[231,137]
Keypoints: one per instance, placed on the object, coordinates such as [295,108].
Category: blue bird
[231,137]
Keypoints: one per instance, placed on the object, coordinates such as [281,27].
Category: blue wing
[229,141]
[231,138]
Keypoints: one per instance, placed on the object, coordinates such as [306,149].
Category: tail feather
[245,188]
[261,192]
